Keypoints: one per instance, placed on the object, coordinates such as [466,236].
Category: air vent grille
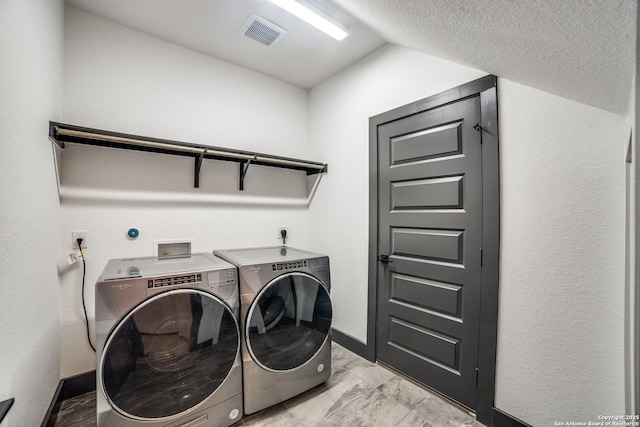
[263,31]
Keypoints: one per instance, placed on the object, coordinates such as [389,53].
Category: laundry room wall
[561,327]
[122,80]
[561,320]
[31,45]
[632,296]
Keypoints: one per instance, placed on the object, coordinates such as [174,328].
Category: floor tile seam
[408,410]
[374,385]
[330,412]
[377,401]
[338,374]
[333,400]
[291,403]
[402,416]
[393,396]
[394,422]
[428,424]
[290,412]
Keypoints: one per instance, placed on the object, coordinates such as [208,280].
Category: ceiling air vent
[263,31]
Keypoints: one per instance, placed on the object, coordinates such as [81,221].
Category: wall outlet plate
[79,234]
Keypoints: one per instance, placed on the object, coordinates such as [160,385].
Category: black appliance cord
[84,307]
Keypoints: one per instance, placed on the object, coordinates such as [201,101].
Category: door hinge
[476,377]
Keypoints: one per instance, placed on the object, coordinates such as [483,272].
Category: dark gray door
[430,226]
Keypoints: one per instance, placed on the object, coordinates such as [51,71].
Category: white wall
[31,44]
[561,325]
[631,313]
[122,80]
[560,341]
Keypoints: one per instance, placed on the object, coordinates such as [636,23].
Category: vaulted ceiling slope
[303,57]
[579,49]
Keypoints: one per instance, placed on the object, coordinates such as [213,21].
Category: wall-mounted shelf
[61,133]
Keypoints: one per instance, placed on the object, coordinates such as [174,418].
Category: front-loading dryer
[285,319]
[168,343]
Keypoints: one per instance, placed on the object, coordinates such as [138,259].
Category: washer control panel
[174,280]
[293,265]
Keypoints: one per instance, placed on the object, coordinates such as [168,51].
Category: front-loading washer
[285,322]
[168,343]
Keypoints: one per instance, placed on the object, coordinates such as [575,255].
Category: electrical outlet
[80,234]
[286,231]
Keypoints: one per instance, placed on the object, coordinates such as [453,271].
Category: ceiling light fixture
[312,17]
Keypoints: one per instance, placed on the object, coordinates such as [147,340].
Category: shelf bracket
[244,167]
[196,176]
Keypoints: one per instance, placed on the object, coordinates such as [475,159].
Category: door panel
[439,245]
[425,294]
[424,343]
[424,194]
[430,224]
[436,142]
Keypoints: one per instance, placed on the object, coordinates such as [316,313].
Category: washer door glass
[288,322]
[169,354]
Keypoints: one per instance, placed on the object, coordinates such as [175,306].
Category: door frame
[486,88]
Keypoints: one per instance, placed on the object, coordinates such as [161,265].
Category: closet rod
[151,144]
[61,133]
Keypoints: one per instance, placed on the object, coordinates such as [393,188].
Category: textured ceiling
[579,49]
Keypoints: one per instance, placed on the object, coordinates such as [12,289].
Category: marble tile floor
[358,394]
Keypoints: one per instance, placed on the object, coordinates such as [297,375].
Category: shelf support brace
[244,167]
[198,159]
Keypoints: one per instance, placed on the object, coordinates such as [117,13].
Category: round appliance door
[288,322]
[169,354]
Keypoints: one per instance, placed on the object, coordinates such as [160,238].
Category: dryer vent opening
[262,30]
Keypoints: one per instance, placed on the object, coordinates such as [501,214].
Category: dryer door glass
[288,321]
[169,354]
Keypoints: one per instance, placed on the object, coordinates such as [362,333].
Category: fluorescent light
[312,18]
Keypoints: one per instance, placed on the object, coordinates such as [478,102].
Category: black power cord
[84,307]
